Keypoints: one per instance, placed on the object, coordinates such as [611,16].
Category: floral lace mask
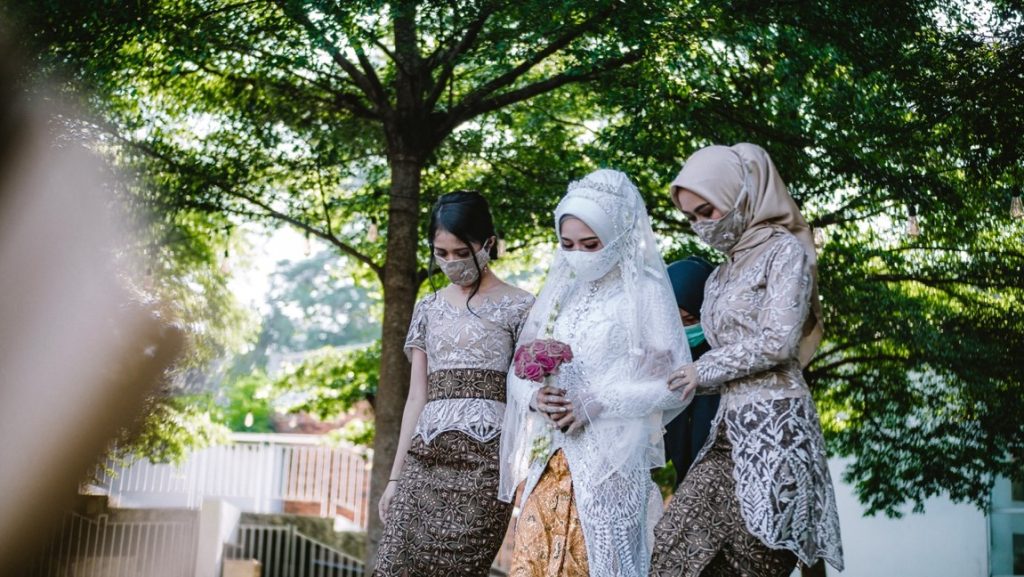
[721,234]
[464,271]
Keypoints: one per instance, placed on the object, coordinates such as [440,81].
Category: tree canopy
[346,119]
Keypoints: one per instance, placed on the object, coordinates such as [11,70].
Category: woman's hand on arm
[684,380]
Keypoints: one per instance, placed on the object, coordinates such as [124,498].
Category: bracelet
[392,480]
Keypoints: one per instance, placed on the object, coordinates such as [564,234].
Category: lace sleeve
[519,319]
[631,399]
[780,319]
[417,336]
[644,391]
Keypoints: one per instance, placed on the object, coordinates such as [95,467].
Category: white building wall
[948,540]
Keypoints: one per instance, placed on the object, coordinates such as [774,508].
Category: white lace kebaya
[626,336]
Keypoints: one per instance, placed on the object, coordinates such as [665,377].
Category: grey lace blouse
[453,337]
[754,309]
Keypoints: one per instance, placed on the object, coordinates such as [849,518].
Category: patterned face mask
[464,271]
[591,266]
[721,234]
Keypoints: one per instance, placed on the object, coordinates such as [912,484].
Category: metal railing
[102,547]
[285,552]
[257,473]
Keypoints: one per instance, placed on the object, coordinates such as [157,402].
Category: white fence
[285,552]
[112,548]
[258,474]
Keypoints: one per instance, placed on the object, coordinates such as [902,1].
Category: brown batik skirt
[703,533]
[549,538]
[445,517]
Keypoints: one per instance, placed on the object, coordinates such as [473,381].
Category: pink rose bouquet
[537,361]
[540,359]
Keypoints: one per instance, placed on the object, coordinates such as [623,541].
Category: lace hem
[780,440]
[479,419]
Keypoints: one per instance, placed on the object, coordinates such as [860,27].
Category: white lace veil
[653,343]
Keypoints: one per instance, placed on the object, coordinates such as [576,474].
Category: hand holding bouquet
[537,361]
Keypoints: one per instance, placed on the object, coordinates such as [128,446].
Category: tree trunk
[400,288]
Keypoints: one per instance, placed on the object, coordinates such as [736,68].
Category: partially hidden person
[686,434]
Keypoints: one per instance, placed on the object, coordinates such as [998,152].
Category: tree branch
[323,198]
[371,74]
[341,20]
[227,8]
[816,373]
[838,217]
[506,79]
[794,140]
[448,58]
[344,100]
[960,249]
[298,223]
[529,91]
[836,349]
[361,80]
[939,283]
[268,210]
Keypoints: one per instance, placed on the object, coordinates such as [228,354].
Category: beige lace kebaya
[762,319]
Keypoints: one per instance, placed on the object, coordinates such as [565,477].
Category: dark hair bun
[466,215]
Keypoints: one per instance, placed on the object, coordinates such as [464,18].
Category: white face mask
[591,266]
[464,271]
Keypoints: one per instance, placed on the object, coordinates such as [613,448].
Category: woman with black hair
[440,509]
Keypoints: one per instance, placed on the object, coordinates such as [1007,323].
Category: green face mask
[694,334]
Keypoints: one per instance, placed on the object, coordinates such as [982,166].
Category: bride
[585,444]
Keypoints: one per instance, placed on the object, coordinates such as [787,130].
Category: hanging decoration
[819,237]
[1016,208]
[913,227]
[225,263]
[372,233]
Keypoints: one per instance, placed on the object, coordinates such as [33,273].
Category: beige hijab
[744,177]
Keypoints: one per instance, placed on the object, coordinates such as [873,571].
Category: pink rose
[546,362]
[521,369]
[533,371]
[560,351]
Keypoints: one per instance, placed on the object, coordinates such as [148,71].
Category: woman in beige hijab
[759,497]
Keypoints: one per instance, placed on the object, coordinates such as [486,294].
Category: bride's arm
[633,382]
[639,396]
